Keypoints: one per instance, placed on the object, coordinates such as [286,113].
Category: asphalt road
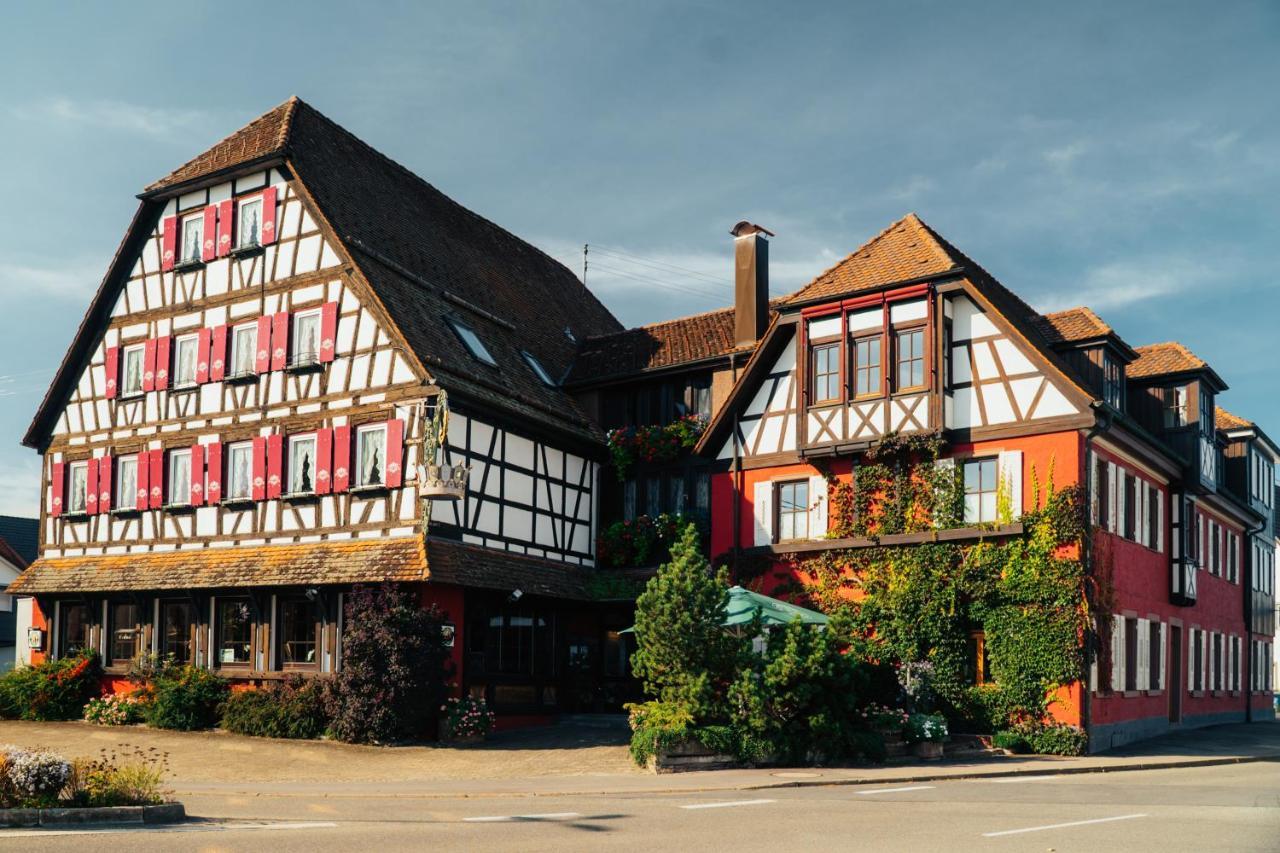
[1234,807]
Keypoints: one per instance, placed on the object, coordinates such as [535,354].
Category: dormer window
[1112,382]
[192,239]
[537,368]
[77,486]
[1206,412]
[135,360]
[1175,407]
[249,224]
[306,338]
[185,350]
[472,342]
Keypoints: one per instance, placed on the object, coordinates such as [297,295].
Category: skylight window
[472,342]
[538,369]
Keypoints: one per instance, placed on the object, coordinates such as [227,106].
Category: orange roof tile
[1073,324]
[267,134]
[1224,420]
[1163,359]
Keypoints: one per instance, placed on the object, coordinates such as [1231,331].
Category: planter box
[929,750]
[166,813]
[894,745]
[689,755]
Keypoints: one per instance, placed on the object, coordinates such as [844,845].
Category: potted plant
[926,732]
[465,720]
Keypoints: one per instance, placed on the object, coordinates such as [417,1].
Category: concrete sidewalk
[580,756]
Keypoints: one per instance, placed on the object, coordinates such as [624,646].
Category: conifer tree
[686,657]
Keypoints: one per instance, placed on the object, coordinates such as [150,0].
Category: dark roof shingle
[22,535]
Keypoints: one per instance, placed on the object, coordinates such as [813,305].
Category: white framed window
[538,369]
[186,351]
[126,482]
[471,341]
[77,486]
[981,486]
[371,455]
[239,485]
[244,349]
[302,465]
[179,477]
[193,238]
[134,362]
[306,338]
[249,223]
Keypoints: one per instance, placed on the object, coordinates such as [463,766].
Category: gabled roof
[905,251]
[22,535]
[1073,325]
[671,343]
[1170,359]
[425,257]
[1226,422]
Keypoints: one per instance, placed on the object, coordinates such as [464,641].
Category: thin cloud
[1118,284]
[75,280]
[20,484]
[109,114]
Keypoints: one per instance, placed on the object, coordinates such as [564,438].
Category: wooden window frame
[296,357]
[89,621]
[778,486]
[125,352]
[242,204]
[234,333]
[358,456]
[229,492]
[964,463]
[125,503]
[72,467]
[181,501]
[178,342]
[287,463]
[111,660]
[829,343]
[162,625]
[898,333]
[218,622]
[183,260]
[281,636]
[856,367]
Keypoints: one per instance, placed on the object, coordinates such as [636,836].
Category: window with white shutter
[1011,480]
[1117,652]
[817,507]
[1164,655]
[1143,643]
[762,512]
[1113,498]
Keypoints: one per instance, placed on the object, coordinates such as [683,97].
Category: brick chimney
[750,281]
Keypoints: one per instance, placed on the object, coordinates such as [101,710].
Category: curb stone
[165,813]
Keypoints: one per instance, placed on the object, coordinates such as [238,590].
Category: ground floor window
[175,631]
[978,659]
[75,622]
[125,632]
[298,621]
[234,632]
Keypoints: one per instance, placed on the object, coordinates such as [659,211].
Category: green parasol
[745,604]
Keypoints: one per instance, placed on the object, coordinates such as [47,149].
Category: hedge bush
[292,708]
[53,690]
[187,698]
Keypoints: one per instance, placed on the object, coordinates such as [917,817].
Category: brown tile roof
[1163,359]
[666,344]
[265,135]
[1073,324]
[486,568]
[1224,420]
[329,562]
[906,250]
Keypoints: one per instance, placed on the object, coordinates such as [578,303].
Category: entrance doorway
[1175,674]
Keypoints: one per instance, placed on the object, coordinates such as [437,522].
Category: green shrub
[661,725]
[117,709]
[1057,740]
[187,698]
[1010,740]
[112,780]
[292,708]
[925,727]
[53,690]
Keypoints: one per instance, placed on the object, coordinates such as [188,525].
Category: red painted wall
[450,601]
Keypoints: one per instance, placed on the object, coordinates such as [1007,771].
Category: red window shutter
[157,479]
[169,244]
[208,251]
[162,362]
[275,478]
[91,487]
[395,453]
[203,344]
[218,354]
[268,216]
[341,458]
[149,366]
[328,331]
[263,362]
[324,460]
[226,219]
[259,468]
[104,483]
[113,371]
[213,484]
[280,340]
[144,471]
[59,475]
[197,474]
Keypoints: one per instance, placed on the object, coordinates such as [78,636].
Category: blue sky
[1124,156]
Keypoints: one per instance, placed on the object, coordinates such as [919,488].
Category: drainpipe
[1101,425]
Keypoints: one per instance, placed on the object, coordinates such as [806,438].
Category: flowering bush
[116,709]
[113,780]
[54,690]
[921,727]
[653,443]
[884,718]
[467,717]
[646,541]
[36,776]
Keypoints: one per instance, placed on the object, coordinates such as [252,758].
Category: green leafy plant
[53,690]
[653,442]
[925,727]
[644,541]
[1011,740]
[187,698]
[394,668]
[112,779]
[290,708]
[467,717]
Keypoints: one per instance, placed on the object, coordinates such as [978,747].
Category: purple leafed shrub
[394,668]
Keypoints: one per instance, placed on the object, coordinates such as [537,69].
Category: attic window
[538,369]
[471,341]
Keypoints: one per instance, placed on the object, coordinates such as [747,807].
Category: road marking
[141,827]
[1062,825]
[511,817]
[895,790]
[728,804]
[1013,780]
